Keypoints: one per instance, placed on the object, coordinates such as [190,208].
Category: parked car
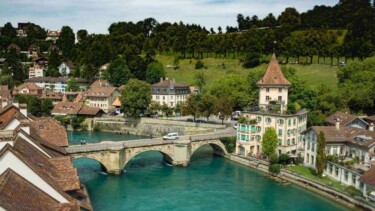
[236,115]
[235,126]
[171,136]
[154,115]
[190,120]
[201,121]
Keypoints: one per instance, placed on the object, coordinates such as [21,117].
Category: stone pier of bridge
[113,156]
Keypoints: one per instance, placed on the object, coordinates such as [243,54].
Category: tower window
[267,89]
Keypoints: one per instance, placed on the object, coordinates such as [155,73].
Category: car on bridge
[171,136]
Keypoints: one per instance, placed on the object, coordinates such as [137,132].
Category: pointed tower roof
[273,75]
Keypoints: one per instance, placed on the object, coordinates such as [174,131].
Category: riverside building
[271,112]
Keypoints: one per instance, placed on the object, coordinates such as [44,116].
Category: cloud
[97,15]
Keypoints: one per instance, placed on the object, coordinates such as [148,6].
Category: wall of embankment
[335,195]
[153,126]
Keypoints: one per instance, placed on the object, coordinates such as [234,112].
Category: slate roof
[273,75]
[102,92]
[51,130]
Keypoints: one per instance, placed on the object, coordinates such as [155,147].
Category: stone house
[102,97]
[66,68]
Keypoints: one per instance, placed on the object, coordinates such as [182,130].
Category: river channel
[209,183]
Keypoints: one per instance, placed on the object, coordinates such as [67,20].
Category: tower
[273,87]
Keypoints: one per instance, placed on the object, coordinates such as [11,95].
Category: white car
[171,136]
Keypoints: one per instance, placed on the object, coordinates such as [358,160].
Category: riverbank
[285,175]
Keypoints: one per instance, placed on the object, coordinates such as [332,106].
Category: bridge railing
[212,136]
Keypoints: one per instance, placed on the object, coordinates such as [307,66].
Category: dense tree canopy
[135,98]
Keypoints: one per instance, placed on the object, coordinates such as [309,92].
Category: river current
[208,183]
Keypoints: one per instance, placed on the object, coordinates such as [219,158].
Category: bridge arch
[132,153]
[92,157]
[217,146]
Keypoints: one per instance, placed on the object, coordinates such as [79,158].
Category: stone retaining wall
[329,192]
[154,126]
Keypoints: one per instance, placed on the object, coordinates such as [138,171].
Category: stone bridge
[113,156]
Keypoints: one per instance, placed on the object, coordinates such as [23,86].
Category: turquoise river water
[209,183]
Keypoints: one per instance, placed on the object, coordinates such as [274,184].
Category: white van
[171,136]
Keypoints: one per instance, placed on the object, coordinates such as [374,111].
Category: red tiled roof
[100,92]
[168,83]
[368,177]
[116,102]
[90,111]
[370,118]
[101,83]
[273,75]
[71,108]
[8,113]
[30,86]
[51,130]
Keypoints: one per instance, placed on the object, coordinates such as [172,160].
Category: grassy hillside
[314,74]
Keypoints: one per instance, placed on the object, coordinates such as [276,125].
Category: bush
[241,120]
[352,190]
[199,65]
[333,158]
[229,143]
[299,159]
[274,168]
[274,158]
[97,128]
[284,159]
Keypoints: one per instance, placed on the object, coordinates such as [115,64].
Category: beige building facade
[169,92]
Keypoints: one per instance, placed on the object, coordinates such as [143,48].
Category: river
[209,183]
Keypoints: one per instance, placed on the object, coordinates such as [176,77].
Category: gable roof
[8,113]
[101,83]
[50,130]
[345,118]
[369,176]
[273,75]
[100,92]
[116,102]
[30,86]
[90,111]
[71,108]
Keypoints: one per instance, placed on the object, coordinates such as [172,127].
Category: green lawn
[315,74]
[310,174]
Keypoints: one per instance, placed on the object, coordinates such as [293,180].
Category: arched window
[280,121]
[257,137]
[259,128]
[259,119]
[268,120]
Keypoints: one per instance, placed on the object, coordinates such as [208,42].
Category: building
[102,97]
[35,173]
[28,89]
[36,71]
[100,83]
[53,35]
[271,112]
[33,51]
[117,105]
[55,97]
[66,68]
[169,92]
[57,84]
[74,109]
[5,96]
[347,142]
[370,119]
[347,120]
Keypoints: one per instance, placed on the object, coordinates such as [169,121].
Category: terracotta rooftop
[71,108]
[273,75]
[357,136]
[90,111]
[370,118]
[8,113]
[368,177]
[344,118]
[52,95]
[16,193]
[51,130]
[101,83]
[5,93]
[168,83]
[100,92]
[116,102]
[30,86]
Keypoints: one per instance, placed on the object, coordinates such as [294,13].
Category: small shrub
[274,158]
[274,168]
[97,128]
[299,159]
[333,158]
[229,143]
[352,190]
[241,120]
[199,65]
[284,159]
[253,121]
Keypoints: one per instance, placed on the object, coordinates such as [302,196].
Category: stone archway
[217,146]
[131,153]
[102,163]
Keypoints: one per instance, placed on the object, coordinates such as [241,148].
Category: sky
[97,15]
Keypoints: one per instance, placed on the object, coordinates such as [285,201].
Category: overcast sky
[97,15]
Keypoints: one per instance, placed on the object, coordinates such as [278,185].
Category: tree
[119,73]
[8,31]
[252,59]
[207,105]
[199,65]
[223,107]
[47,107]
[154,72]
[66,41]
[269,141]
[13,63]
[34,106]
[290,17]
[82,35]
[72,85]
[136,97]
[168,111]
[191,106]
[200,80]
[321,158]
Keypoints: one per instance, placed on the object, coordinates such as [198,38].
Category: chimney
[23,109]
[338,121]
[371,128]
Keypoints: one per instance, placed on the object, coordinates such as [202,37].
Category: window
[280,141]
[280,89]
[336,171]
[346,175]
[308,158]
[280,98]
[163,97]
[293,141]
[257,137]
[259,119]
[289,122]
[312,147]
[280,121]
[308,145]
[280,132]
[294,121]
[267,98]
[330,168]
[268,120]
[259,128]
[288,142]
[172,104]
[267,89]
[353,179]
